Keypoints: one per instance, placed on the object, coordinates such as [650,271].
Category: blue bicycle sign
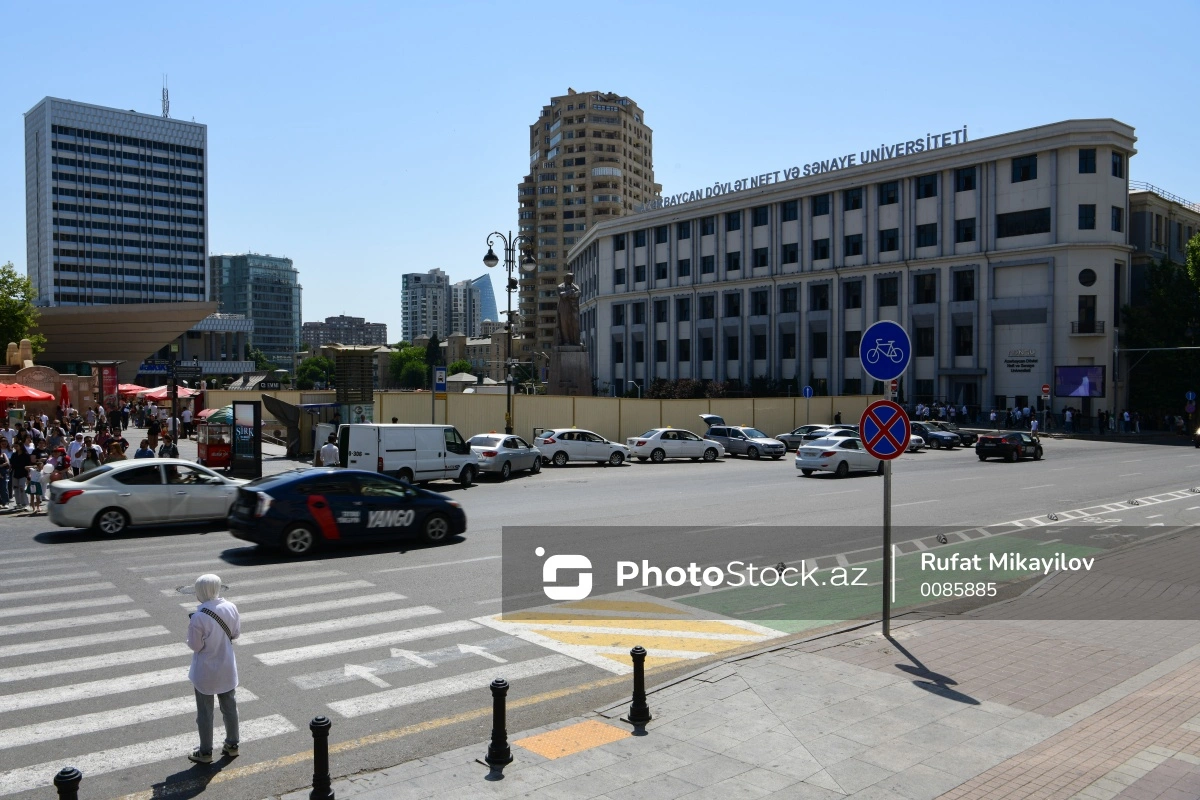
[884,350]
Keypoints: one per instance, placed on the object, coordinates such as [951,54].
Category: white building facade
[424,304]
[1003,257]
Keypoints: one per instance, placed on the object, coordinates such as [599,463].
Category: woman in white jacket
[213,627]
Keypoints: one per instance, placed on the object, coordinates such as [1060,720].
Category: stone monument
[570,371]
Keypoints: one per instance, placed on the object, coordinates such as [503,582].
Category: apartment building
[266,290]
[344,330]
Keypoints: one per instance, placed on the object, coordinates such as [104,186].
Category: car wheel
[537,466]
[560,459]
[405,475]
[752,453]
[467,476]
[935,445]
[506,471]
[1013,457]
[983,458]
[710,454]
[436,529]
[843,469]
[111,522]
[658,456]
[807,472]
[1037,454]
[777,457]
[879,469]
[616,459]
[299,540]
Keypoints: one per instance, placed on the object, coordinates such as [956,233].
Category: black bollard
[639,711]
[499,754]
[67,783]
[321,785]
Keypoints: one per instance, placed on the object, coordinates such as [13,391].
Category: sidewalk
[985,705]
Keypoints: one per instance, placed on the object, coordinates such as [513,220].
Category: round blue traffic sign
[1189,396]
[885,430]
[807,391]
[884,350]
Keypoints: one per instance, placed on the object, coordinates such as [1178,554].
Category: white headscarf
[208,587]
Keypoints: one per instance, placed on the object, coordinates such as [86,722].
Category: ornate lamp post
[526,264]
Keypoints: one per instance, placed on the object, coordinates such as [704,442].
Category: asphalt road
[398,644]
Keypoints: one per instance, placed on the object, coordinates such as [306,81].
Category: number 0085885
[958,589]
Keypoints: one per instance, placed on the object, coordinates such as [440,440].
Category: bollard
[639,711]
[320,783]
[499,755]
[67,783]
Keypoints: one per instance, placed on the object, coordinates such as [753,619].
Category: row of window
[79,163]
[101,211]
[131,258]
[117,184]
[130,141]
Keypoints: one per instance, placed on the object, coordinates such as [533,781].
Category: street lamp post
[637,386]
[526,264]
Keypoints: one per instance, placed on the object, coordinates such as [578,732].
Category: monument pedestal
[570,372]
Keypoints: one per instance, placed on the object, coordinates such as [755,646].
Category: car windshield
[484,441]
[754,433]
[648,434]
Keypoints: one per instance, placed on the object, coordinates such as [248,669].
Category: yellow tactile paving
[632,639]
[572,739]
[629,606]
[690,625]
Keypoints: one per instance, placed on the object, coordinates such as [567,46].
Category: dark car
[306,509]
[936,438]
[1009,446]
[968,437]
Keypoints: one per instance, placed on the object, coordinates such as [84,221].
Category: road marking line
[333,573]
[405,662]
[1039,486]
[302,591]
[305,628]
[446,687]
[103,720]
[1192,508]
[85,587]
[842,560]
[69,606]
[1154,516]
[41,568]
[215,560]
[440,564]
[32,559]
[46,578]
[976,478]
[1050,541]
[919,544]
[638,631]
[1130,475]
[41,549]
[65,643]
[151,548]
[915,503]
[831,494]
[317,608]
[191,574]
[92,689]
[493,600]
[72,622]
[102,661]
[277,657]
[1132,460]
[118,758]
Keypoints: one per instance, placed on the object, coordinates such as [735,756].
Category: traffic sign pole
[888,566]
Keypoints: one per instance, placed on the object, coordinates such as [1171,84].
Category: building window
[1023,223]
[639,238]
[964,285]
[852,294]
[790,253]
[925,288]
[708,226]
[684,268]
[787,345]
[964,179]
[683,349]
[706,348]
[964,230]
[852,199]
[787,299]
[733,262]
[618,315]
[733,305]
[820,249]
[618,351]
[820,205]
[760,303]
[683,230]
[923,342]
[1087,160]
[660,271]
[852,386]
[683,309]
[759,343]
[853,245]
[927,235]
[660,310]
[927,186]
[889,240]
[660,350]
[639,313]
[660,234]
[639,273]
[619,242]
[1118,165]
[1024,168]
[619,276]
[819,344]
[760,257]
[708,265]
[708,306]
[1087,216]
[964,340]
[790,211]
[889,291]
[733,221]
[889,193]
[758,216]
[850,341]
[1118,219]
[639,351]
[818,297]
[731,347]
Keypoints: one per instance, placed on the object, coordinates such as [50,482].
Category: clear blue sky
[368,140]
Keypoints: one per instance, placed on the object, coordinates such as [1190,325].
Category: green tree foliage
[408,368]
[18,316]
[314,371]
[462,365]
[260,359]
[433,351]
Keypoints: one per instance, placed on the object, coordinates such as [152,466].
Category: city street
[397,645]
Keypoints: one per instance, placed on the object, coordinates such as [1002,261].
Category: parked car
[915,443]
[741,440]
[304,510]
[839,456]
[113,497]
[574,444]
[501,455]
[935,437]
[413,453]
[968,438]
[792,440]
[1009,446]
[659,444]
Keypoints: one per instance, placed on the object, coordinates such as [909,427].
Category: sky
[367,140]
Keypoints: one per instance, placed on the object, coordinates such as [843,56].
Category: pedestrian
[114,452]
[168,449]
[125,417]
[211,630]
[5,472]
[330,457]
[993,419]
[144,450]
[20,461]
[92,459]
[1125,421]
[1069,420]
[1033,427]
[185,417]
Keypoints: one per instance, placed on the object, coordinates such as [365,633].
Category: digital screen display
[1079,381]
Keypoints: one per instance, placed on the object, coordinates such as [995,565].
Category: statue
[568,312]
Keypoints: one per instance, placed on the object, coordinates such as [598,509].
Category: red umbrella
[17,391]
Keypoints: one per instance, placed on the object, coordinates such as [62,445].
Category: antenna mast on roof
[166,100]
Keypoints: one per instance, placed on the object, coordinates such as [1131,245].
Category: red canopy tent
[164,393]
[17,391]
[129,389]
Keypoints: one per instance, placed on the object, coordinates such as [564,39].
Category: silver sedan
[500,454]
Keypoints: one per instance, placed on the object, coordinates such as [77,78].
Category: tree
[433,351]
[18,316]
[313,371]
[261,362]
[462,365]
[408,368]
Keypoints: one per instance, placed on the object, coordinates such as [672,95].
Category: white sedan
[143,491]
[561,445]
[915,443]
[839,456]
[659,444]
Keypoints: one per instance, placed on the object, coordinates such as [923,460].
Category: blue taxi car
[303,510]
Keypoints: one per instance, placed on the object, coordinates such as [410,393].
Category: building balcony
[1087,328]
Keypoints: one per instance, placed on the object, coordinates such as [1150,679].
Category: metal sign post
[885,351]
[439,386]
[807,391]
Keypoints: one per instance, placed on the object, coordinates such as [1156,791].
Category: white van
[414,453]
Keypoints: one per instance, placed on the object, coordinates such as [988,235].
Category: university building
[1004,258]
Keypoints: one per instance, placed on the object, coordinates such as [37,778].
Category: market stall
[214,437]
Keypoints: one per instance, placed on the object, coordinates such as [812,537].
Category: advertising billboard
[1079,381]
[247,439]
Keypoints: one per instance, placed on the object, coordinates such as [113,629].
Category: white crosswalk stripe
[32,559]
[26,570]
[67,642]
[92,662]
[317,608]
[84,587]
[40,579]
[286,594]
[85,621]
[190,575]
[68,606]
[333,573]
[335,624]
[92,689]
[277,657]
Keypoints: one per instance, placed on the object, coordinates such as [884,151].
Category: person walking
[34,472]
[20,461]
[211,630]
[168,449]
[5,472]
[144,450]
[185,417]
[330,457]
